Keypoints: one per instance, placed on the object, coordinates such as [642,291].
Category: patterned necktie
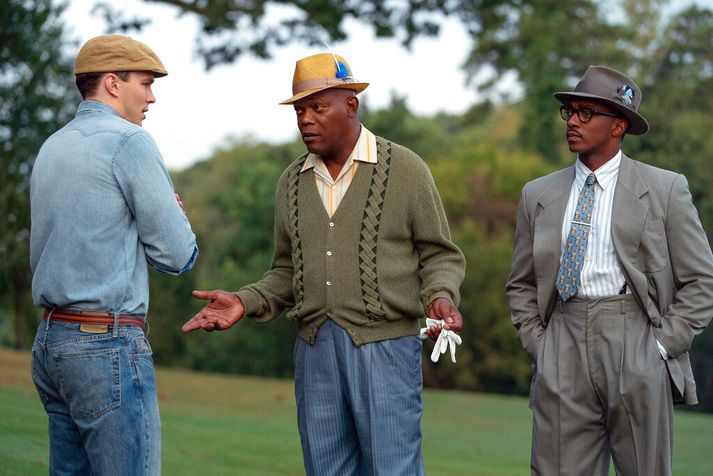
[575,248]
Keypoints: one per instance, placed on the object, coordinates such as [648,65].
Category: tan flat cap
[108,53]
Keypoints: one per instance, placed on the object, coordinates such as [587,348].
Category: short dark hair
[87,83]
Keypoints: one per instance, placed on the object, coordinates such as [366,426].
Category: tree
[544,44]
[548,44]
[229,200]
[38,96]
[230,29]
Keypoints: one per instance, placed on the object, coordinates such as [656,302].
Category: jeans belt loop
[115,330]
[47,324]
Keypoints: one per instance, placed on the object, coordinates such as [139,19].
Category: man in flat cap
[612,277]
[362,250]
[103,206]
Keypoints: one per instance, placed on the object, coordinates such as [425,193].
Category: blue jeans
[100,396]
[359,408]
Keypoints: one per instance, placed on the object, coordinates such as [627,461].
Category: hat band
[319,83]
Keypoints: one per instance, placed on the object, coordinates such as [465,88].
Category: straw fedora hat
[613,88]
[319,72]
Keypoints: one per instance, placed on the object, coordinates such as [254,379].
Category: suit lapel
[548,236]
[628,217]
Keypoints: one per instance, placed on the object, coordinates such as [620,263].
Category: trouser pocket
[90,381]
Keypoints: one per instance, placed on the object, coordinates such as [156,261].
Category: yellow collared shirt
[331,190]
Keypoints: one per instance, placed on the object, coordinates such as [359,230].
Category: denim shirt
[102,206]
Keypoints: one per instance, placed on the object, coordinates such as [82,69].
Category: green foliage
[480,166]
[479,172]
[37,96]
[480,159]
[230,29]
[230,201]
[544,44]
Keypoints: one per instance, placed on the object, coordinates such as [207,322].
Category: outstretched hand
[223,310]
[443,309]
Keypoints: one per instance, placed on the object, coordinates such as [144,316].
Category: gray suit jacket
[661,246]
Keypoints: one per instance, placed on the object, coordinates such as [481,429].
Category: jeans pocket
[90,381]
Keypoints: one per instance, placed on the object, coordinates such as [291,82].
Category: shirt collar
[606,174]
[364,151]
[90,106]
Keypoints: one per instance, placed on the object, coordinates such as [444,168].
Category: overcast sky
[197,110]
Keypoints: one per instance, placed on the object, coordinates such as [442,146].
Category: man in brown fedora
[362,250]
[612,277]
[103,207]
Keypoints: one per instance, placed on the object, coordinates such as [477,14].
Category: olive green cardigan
[372,268]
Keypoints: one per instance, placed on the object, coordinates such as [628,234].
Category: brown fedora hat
[616,89]
[319,72]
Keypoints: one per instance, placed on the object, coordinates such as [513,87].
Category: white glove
[447,339]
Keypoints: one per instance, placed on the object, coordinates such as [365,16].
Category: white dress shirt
[601,274]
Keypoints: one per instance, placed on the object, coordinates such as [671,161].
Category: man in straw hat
[612,277]
[102,206]
[362,248]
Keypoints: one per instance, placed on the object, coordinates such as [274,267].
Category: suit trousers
[601,390]
[359,408]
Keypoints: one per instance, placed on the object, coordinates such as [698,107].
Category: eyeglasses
[584,114]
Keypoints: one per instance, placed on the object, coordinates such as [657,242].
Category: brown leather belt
[91,317]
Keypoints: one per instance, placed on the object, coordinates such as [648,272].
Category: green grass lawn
[231,425]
